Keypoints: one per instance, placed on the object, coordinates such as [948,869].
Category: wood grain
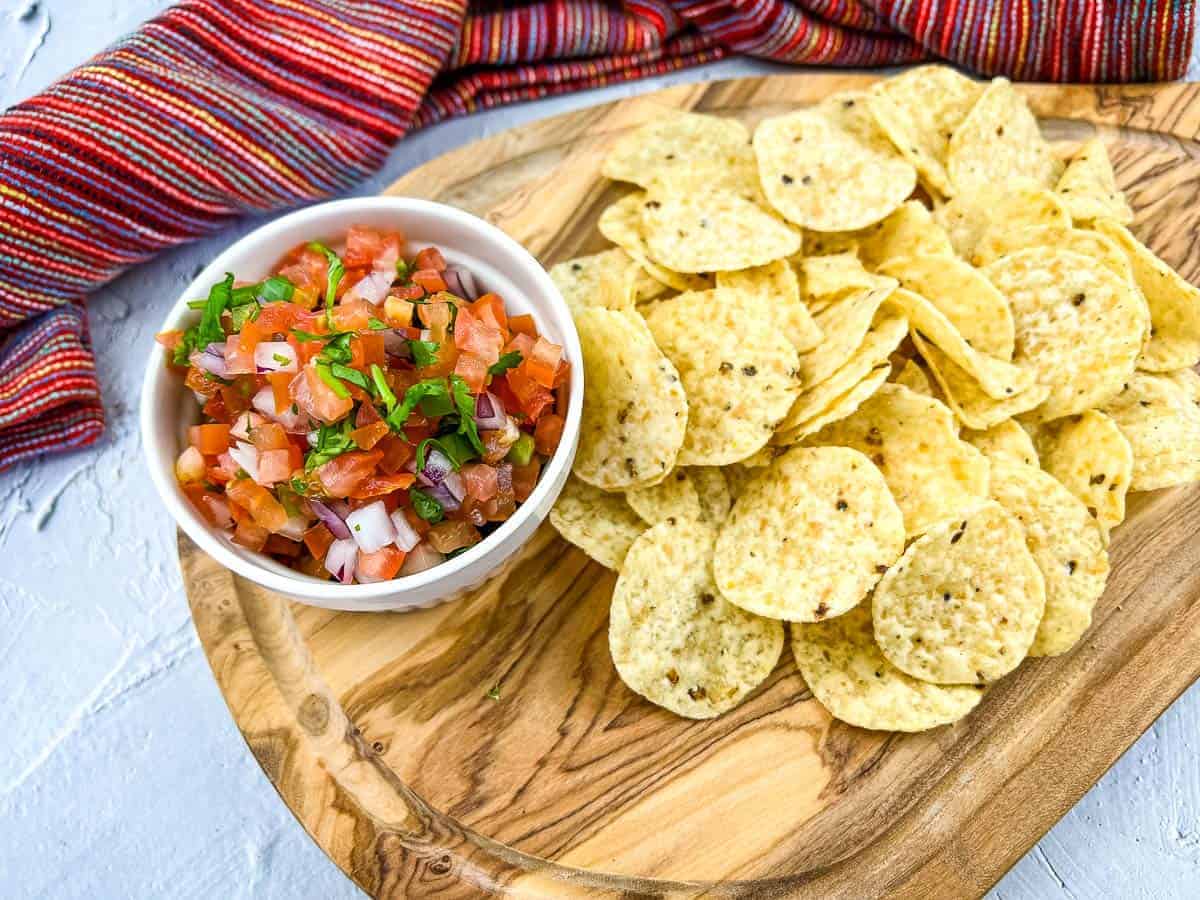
[378,731]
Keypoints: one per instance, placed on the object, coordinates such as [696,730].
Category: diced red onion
[292,422]
[334,522]
[406,535]
[460,282]
[341,507]
[370,527]
[510,435]
[442,495]
[489,412]
[437,467]
[244,423]
[268,354]
[341,560]
[453,482]
[395,343]
[374,287]
[212,363]
[246,456]
[420,558]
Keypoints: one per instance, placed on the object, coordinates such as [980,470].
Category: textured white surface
[121,773]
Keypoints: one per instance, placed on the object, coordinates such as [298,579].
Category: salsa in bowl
[369,408]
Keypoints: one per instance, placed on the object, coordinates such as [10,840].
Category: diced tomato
[523,325]
[431,280]
[524,479]
[451,535]
[249,337]
[350,278]
[317,539]
[353,315]
[342,474]
[367,414]
[522,343]
[251,535]
[372,247]
[396,452]
[496,444]
[170,340]
[189,467]
[238,360]
[279,382]
[547,434]
[382,564]
[446,360]
[210,440]
[542,362]
[490,309]
[305,268]
[280,318]
[259,502]
[532,396]
[504,504]
[473,371]
[237,396]
[379,485]
[278,545]
[397,313]
[225,469]
[419,525]
[366,349]
[314,397]
[436,317]
[213,507]
[473,335]
[501,391]
[197,380]
[269,436]
[274,466]
[368,436]
[480,480]
[431,258]
[408,292]
[562,375]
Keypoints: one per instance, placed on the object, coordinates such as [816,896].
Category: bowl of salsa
[366,404]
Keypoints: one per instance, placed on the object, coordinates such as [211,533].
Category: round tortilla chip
[739,372]
[1079,327]
[845,324]
[960,292]
[674,639]
[709,231]
[1000,242]
[1090,456]
[712,490]
[809,537]
[635,413]
[610,279]
[841,407]
[674,144]
[909,231]
[963,603]
[1089,189]
[1162,424]
[599,523]
[919,110]
[1174,304]
[1066,544]
[844,669]
[1004,440]
[913,377]
[973,406]
[825,178]
[674,497]
[777,285]
[999,141]
[621,223]
[913,440]
[971,218]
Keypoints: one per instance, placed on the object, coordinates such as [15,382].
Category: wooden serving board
[379,732]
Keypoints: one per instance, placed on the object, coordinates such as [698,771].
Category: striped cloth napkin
[218,108]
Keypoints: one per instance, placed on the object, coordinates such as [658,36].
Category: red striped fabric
[219,108]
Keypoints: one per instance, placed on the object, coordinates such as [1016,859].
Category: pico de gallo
[365,414]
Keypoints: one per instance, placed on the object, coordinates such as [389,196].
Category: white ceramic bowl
[499,264]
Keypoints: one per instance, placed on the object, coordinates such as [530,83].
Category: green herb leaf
[355,377]
[465,404]
[305,336]
[383,390]
[403,271]
[424,353]
[431,389]
[425,506]
[328,377]
[281,359]
[507,361]
[377,324]
[299,486]
[337,349]
[208,330]
[276,289]
[240,315]
[456,448]
[333,277]
[332,441]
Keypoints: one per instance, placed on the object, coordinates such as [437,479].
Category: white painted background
[121,773]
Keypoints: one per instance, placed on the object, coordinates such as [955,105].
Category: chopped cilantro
[328,377]
[209,330]
[332,441]
[333,277]
[377,324]
[424,353]
[507,361]
[403,271]
[456,448]
[423,392]
[425,506]
[305,336]
[281,359]
[383,390]
[355,377]
[465,404]
[240,315]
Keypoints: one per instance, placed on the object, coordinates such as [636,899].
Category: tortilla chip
[1174,304]
[998,243]
[674,639]
[842,406]
[635,412]
[674,497]
[963,295]
[808,538]
[963,603]
[1079,327]
[909,231]
[610,279]
[828,243]
[739,372]
[1066,544]
[821,176]
[599,523]
[621,223]
[1162,424]
[844,323]
[971,218]
[913,440]
[913,377]
[710,231]
[919,110]
[713,492]
[1005,440]
[970,402]
[844,669]
[1089,189]
[777,285]
[1092,459]
[675,144]
[999,141]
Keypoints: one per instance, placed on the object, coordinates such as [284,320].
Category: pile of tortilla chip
[885,370]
